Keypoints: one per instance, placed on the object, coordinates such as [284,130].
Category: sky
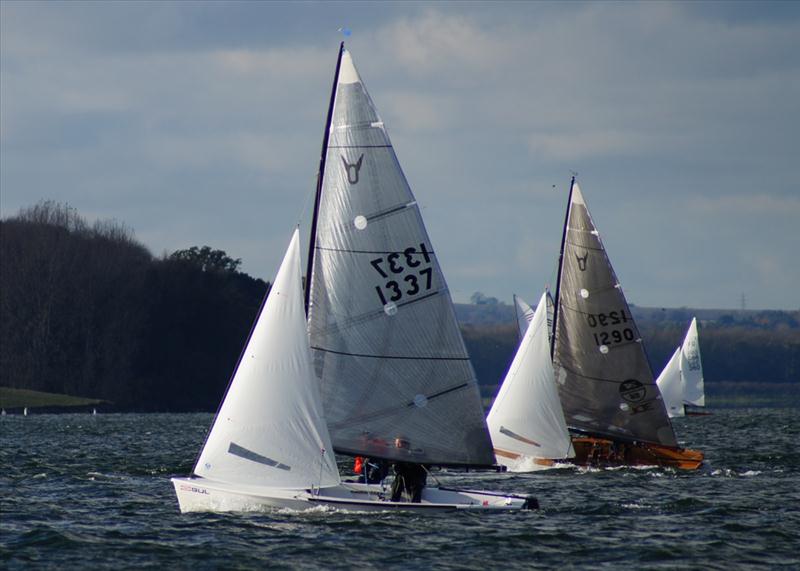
[200,123]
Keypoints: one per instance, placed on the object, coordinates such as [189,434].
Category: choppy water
[81,491]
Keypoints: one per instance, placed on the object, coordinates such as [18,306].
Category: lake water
[82,491]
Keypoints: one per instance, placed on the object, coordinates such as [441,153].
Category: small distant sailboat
[526,421]
[25,411]
[681,382]
[524,315]
[608,393]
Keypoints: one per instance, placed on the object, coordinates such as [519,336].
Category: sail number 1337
[409,272]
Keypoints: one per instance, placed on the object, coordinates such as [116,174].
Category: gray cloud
[201,123]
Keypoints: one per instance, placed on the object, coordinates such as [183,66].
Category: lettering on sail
[408,273]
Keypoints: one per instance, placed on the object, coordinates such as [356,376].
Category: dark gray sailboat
[605,383]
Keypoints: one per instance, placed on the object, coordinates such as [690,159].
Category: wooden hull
[601,452]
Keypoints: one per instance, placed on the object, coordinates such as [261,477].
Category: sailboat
[269,446]
[526,421]
[681,381]
[608,393]
[524,314]
[378,369]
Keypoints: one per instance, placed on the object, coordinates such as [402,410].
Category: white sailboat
[271,444]
[526,421]
[681,382]
[524,315]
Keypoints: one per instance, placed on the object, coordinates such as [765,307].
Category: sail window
[243,452]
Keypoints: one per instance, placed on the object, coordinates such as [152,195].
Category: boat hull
[202,495]
[602,452]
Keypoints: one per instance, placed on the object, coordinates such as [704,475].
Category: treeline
[752,357]
[87,310]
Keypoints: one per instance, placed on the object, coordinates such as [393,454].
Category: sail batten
[387,348]
[602,372]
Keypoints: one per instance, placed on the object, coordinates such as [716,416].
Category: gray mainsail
[602,372]
[395,376]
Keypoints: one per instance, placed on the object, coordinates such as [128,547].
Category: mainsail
[526,419]
[270,430]
[395,376]
[692,368]
[670,384]
[681,381]
[524,315]
[602,372]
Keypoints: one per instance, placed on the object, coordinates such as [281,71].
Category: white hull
[202,495]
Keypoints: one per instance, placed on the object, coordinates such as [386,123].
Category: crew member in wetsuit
[409,478]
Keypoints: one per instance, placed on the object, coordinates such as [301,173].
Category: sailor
[409,478]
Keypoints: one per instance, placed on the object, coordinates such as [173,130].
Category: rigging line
[320,176]
[398,357]
[557,300]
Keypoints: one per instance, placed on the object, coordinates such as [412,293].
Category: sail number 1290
[407,275]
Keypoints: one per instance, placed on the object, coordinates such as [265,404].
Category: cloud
[201,123]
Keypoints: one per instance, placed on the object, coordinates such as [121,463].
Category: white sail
[692,368]
[270,430]
[524,315]
[395,375]
[670,383]
[526,420]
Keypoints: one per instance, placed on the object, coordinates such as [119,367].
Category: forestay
[396,379]
[602,373]
[270,429]
[526,417]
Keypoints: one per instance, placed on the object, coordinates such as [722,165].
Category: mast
[556,301]
[320,176]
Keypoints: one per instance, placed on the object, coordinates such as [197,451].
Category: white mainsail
[692,368]
[395,375]
[681,381]
[670,383]
[526,420]
[524,315]
[270,430]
